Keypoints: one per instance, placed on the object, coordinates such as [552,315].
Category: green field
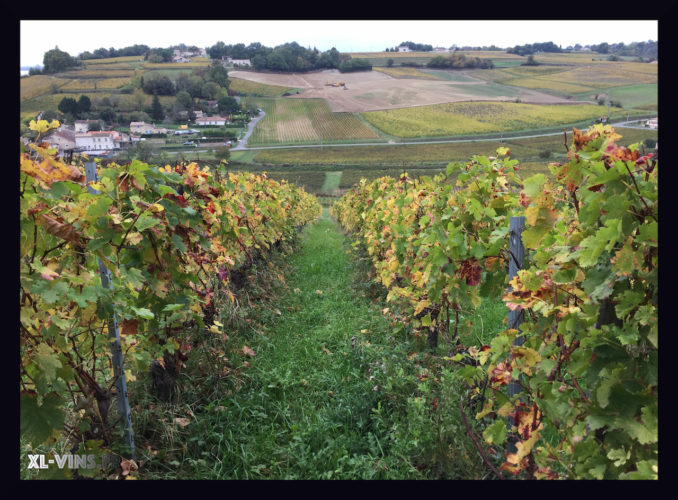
[467,118]
[382,155]
[395,156]
[644,96]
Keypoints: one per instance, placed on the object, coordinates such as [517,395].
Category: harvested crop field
[375,90]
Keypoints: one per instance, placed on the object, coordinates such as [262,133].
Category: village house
[141,128]
[95,142]
[211,120]
[82,126]
[63,140]
[653,123]
[240,62]
[404,48]
[441,49]
[120,139]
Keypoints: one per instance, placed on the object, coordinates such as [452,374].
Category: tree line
[460,61]
[285,57]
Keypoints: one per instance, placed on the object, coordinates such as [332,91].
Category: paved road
[250,128]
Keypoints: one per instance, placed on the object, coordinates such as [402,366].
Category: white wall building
[241,62]
[210,120]
[95,141]
[139,128]
[404,48]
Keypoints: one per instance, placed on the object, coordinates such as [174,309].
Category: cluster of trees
[355,65]
[237,51]
[77,109]
[54,61]
[207,83]
[286,57]
[294,57]
[159,55]
[418,47]
[149,54]
[103,53]
[460,61]
[531,48]
[484,47]
[645,50]
[530,61]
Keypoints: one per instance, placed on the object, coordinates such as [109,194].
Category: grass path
[307,410]
[332,181]
[336,389]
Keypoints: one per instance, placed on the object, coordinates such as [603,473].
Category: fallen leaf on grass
[247,351]
[128,466]
[182,421]
[327,351]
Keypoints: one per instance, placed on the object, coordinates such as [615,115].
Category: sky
[75,37]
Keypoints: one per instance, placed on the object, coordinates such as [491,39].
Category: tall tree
[56,60]
[156,109]
[84,105]
[68,105]
[228,105]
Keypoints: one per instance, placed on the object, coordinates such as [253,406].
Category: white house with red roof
[211,120]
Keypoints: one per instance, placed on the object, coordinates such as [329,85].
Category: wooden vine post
[515,318]
[114,338]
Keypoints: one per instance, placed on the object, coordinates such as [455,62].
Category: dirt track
[371,91]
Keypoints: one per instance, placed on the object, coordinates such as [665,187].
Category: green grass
[331,393]
[332,181]
[634,96]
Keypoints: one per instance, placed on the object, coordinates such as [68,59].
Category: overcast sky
[75,37]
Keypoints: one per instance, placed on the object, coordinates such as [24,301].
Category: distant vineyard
[477,117]
[305,120]
[36,85]
[113,60]
[91,84]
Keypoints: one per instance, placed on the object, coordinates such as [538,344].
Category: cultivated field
[36,85]
[375,90]
[467,118]
[257,89]
[94,84]
[642,96]
[304,121]
[384,155]
[196,62]
[114,60]
[404,72]
[378,156]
